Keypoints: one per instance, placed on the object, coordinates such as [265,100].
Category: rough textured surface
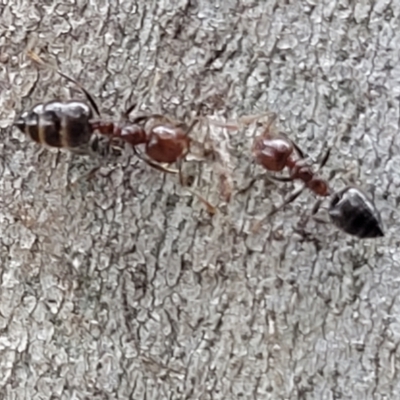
[123,287]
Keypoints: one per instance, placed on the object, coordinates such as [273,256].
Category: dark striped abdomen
[354,213]
[58,124]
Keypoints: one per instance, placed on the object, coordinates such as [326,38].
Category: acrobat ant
[350,209]
[71,125]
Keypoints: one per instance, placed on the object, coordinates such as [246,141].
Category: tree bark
[122,286]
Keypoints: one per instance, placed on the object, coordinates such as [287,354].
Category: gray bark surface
[123,287]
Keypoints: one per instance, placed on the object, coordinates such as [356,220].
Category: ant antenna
[35,57]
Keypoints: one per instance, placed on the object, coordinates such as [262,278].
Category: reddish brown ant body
[72,125]
[350,209]
[275,152]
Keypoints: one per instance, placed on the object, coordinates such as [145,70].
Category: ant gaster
[58,124]
[71,125]
[352,211]
[349,209]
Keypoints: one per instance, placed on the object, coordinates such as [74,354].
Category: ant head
[354,213]
[272,153]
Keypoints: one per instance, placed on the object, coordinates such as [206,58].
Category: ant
[72,125]
[350,209]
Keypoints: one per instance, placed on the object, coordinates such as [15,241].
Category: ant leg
[307,218]
[192,125]
[179,165]
[146,117]
[140,118]
[267,177]
[210,208]
[195,121]
[35,57]
[250,119]
[281,178]
[99,148]
[227,125]
[181,124]
[245,121]
[88,176]
[300,152]
[293,197]
[206,144]
[325,159]
[125,114]
[248,186]
[143,118]
[316,207]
